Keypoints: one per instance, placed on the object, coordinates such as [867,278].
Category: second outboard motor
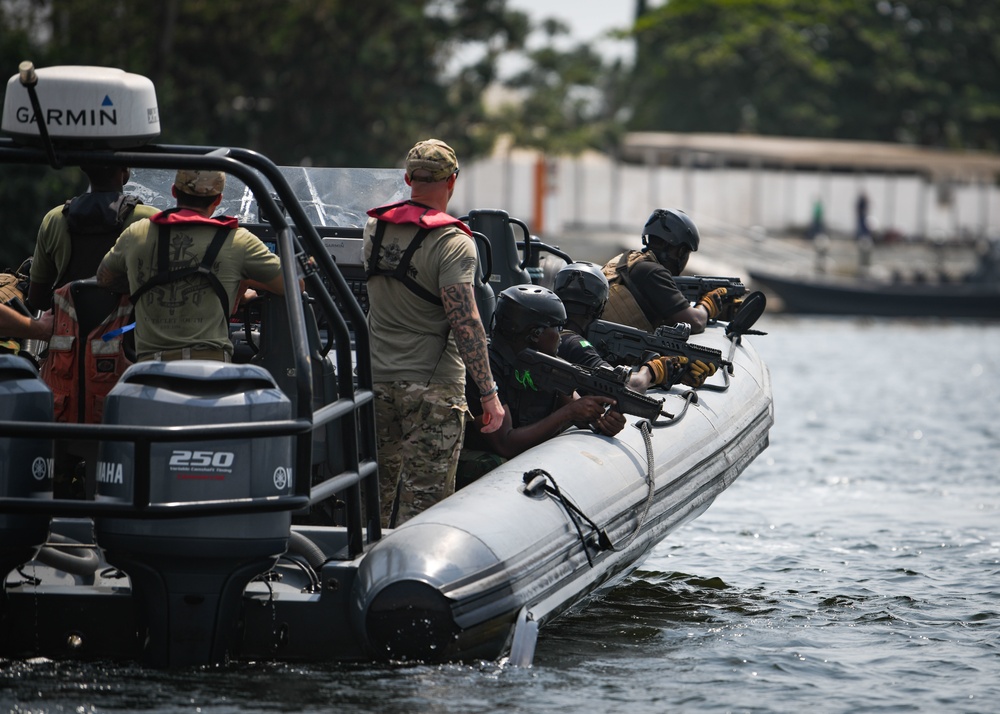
[25,463]
[188,574]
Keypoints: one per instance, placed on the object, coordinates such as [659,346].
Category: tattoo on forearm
[463,316]
[112,281]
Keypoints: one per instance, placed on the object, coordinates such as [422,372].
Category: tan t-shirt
[411,339]
[187,313]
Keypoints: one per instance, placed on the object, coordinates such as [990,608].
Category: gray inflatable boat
[230,511]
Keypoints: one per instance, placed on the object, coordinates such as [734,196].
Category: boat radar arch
[82,106]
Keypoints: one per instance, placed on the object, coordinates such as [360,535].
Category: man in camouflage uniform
[425,332]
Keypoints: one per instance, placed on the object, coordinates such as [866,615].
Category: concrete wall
[593,192]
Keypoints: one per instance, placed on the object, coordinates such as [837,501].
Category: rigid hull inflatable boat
[232,509]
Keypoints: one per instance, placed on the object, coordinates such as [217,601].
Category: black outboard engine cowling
[188,574]
[25,464]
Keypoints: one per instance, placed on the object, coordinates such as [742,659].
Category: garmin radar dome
[81,106]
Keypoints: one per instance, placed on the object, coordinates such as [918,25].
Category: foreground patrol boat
[235,513]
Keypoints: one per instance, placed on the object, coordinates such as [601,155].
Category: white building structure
[744,181]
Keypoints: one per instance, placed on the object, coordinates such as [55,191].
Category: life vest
[94,222]
[626,305]
[103,361]
[426,219]
[164,220]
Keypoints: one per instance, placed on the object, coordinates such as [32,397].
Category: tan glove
[713,301]
[666,369]
[729,310]
[11,286]
[697,372]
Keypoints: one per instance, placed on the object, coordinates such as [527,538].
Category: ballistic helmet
[673,227]
[521,308]
[582,283]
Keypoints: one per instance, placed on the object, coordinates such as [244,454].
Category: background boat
[841,296]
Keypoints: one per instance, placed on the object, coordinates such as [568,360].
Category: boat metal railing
[303,255]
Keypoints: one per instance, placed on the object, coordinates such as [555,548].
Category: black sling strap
[164,275]
[401,271]
[621,270]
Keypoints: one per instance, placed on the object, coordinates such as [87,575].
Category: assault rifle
[694,286]
[624,344]
[566,377]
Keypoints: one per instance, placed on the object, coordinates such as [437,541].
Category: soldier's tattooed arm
[116,282]
[463,316]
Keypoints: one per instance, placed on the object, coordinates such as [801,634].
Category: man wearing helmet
[584,291]
[643,292]
[529,316]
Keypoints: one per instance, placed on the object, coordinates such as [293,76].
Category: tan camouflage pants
[420,428]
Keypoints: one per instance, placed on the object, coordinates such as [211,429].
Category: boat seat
[507,265]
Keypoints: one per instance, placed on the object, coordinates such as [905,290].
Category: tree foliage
[922,71]
[322,82]
[566,100]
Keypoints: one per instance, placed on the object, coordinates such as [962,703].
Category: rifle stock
[565,377]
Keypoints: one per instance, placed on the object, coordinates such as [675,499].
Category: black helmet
[673,227]
[582,283]
[523,307]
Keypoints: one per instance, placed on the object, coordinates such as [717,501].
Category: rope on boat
[689,396]
[68,555]
[535,480]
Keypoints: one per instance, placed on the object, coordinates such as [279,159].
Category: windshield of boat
[330,196]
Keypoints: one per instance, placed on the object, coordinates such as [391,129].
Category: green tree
[914,70]
[565,100]
[322,82]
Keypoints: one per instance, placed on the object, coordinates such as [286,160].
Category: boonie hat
[433,156]
[200,183]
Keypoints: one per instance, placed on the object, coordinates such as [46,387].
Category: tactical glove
[697,372]
[666,369]
[10,287]
[713,301]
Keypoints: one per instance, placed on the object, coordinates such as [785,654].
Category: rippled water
[855,566]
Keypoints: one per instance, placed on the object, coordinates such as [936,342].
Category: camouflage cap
[200,183]
[433,156]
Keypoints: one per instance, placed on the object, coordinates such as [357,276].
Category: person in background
[425,334]
[862,230]
[74,237]
[643,293]
[584,291]
[185,271]
[530,316]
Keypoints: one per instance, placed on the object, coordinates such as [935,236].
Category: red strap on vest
[423,216]
[176,216]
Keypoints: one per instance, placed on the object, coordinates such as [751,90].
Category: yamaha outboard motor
[188,574]
[25,464]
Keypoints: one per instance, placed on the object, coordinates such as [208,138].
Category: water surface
[855,566]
